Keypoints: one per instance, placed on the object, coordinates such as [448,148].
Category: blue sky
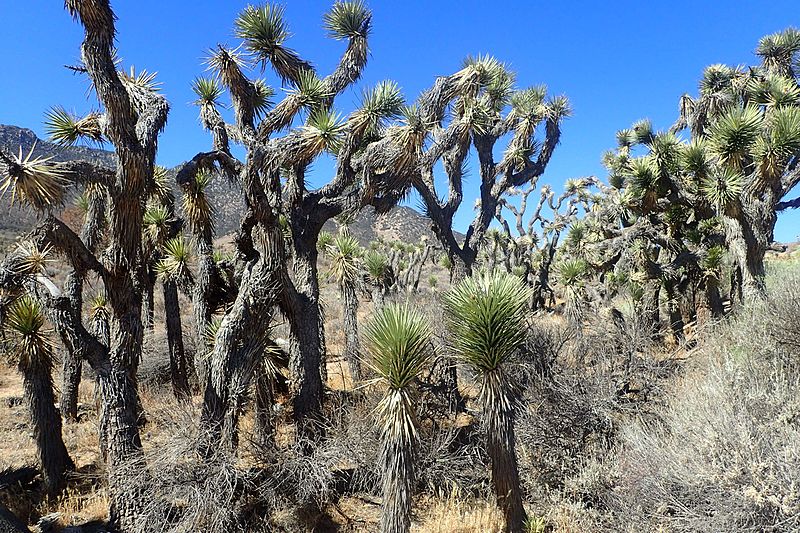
[617,61]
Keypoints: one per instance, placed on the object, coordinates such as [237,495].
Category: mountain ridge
[401,223]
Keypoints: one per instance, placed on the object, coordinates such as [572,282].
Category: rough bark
[501,444]
[178,368]
[352,346]
[53,457]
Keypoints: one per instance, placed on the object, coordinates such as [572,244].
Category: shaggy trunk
[306,335]
[378,298]
[748,233]
[178,368]
[708,304]
[499,412]
[351,345]
[397,461]
[53,456]
[200,305]
[72,359]
[232,361]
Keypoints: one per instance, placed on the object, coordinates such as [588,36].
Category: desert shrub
[725,455]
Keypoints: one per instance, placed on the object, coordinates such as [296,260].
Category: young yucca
[398,341]
[33,353]
[486,316]
[346,268]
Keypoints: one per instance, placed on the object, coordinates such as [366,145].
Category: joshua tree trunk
[674,311]
[200,305]
[397,459]
[378,298]
[352,350]
[708,301]
[501,444]
[307,333]
[53,457]
[178,369]
[232,364]
[748,241]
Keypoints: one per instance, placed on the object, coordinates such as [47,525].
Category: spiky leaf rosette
[309,90]
[324,240]
[713,261]
[778,51]
[65,129]
[345,254]
[264,32]
[196,206]
[208,91]
[377,267]
[142,80]
[98,307]
[398,340]
[379,104]
[30,342]
[348,20]
[161,187]
[734,135]
[486,315]
[722,188]
[177,256]
[781,142]
[156,221]
[34,181]
[30,259]
[262,98]
[323,132]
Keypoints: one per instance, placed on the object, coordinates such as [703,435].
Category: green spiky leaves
[264,32]
[379,104]
[34,181]
[734,135]
[65,129]
[208,91]
[348,20]
[572,272]
[177,255]
[30,342]
[377,266]
[398,340]
[345,255]
[722,188]
[323,132]
[196,205]
[486,315]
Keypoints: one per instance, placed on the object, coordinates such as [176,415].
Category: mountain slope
[399,224]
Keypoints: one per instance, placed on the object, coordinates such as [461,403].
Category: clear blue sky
[617,61]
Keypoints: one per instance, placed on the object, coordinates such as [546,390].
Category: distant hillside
[401,223]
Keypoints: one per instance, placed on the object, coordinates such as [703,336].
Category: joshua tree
[346,269]
[378,275]
[398,340]
[486,318]
[470,108]
[33,353]
[747,122]
[365,175]
[132,117]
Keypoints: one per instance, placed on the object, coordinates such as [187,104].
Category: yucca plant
[34,181]
[486,317]
[398,341]
[346,269]
[378,269]
[65,129]
[32,351]
[196,205]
